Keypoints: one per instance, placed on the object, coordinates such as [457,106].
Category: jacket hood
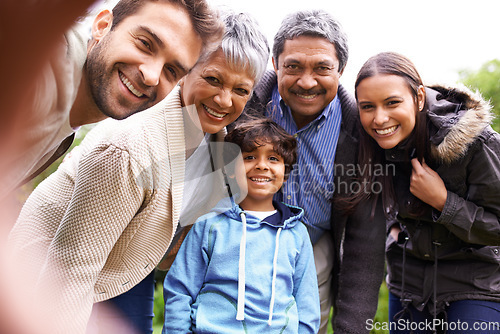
[286,216]
[458,116]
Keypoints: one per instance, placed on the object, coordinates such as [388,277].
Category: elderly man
[304,96]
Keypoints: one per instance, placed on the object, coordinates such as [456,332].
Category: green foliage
[382,315]
[487,81]
[158,309]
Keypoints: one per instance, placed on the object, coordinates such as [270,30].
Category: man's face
[137,63]
[308,76]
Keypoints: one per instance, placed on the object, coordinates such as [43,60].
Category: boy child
[247,268]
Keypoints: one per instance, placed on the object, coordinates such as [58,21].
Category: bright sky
[440,36]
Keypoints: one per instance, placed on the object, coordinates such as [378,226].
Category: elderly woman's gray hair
[244,45]
[315,23]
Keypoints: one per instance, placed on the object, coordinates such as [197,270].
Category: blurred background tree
[487,81]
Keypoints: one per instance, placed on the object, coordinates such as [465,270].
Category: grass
[381,315]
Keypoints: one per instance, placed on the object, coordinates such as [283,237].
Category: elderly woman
[99,225]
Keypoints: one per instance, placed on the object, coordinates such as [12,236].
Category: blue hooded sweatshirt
[237,274]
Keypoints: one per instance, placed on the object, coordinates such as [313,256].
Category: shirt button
[289,197]
[295,135]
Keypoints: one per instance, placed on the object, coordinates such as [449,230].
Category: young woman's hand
[427,185]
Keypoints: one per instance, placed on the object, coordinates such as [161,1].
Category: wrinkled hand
[427,185]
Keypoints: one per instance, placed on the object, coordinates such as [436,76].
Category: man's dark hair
[206,22]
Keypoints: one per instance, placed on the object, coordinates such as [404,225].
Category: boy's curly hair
[254,132]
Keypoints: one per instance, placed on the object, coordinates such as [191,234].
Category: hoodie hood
[458,116]
[286,216]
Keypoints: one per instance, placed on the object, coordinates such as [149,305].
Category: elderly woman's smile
[218,89]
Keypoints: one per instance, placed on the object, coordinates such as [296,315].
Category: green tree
[487,81]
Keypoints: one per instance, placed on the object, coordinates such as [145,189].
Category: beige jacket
[103,221]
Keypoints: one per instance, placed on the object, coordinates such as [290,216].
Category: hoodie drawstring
[240,314]
[240,310]
[273,288]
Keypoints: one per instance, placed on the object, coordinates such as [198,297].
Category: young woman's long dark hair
[370,153]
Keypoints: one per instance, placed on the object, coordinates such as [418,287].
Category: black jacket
[464,238]
[358,239]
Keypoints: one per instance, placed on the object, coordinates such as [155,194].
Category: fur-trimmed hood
[458,116]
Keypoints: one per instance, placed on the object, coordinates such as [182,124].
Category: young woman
[442,197]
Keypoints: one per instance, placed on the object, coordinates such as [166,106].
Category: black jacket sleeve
[361,269]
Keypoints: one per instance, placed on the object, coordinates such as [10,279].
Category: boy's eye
[248,157]
[274,158]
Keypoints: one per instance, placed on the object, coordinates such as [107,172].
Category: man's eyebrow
[160,43]
[181,67]
[326,63]
[291,61]
[153,35]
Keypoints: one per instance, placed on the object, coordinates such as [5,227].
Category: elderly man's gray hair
[315,23]
[244,45]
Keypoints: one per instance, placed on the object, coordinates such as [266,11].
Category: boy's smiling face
[265,174]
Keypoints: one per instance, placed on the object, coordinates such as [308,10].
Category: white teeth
[256,179]
[386,131]
[308,97]
[130,87]
[213,112]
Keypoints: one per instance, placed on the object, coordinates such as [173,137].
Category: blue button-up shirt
[311,183]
